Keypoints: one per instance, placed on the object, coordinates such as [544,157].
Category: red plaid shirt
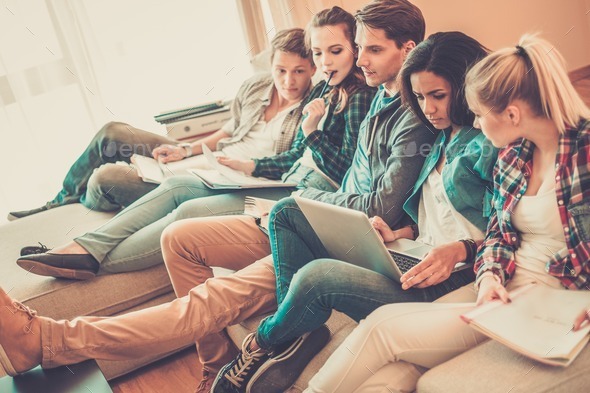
[572,264]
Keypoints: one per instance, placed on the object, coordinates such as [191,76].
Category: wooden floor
[180,373]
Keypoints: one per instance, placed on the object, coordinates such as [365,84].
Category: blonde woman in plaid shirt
[525,104]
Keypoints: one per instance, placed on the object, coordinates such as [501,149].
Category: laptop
[348,235]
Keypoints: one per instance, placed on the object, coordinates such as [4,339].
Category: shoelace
[205,382]
[238,372]
[43,248]
[27,310]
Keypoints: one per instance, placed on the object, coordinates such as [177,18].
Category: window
[68,67]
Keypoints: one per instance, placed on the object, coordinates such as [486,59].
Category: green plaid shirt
[332,148]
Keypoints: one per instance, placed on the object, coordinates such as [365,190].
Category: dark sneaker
[16,215]
[41,249]
[234,376]
[206,383]
[283,368]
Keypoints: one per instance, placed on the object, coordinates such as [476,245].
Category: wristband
[414,229]
[188,149]
[470,249]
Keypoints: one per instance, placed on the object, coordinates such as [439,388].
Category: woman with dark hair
[449,204]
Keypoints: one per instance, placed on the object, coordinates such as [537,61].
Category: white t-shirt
[536,218]
[260,141]
[438,221]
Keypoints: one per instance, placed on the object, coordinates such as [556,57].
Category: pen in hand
[326,85]
[323,91]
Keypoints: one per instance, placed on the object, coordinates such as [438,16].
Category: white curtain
[46,83]
[69,66]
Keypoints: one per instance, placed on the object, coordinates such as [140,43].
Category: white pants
[392,347]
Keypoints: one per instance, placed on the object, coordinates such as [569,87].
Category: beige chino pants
[191,248]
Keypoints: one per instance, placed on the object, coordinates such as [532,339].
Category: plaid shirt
[572,264]
[332,148]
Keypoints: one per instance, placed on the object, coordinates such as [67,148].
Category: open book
[223,177]
[153,171]
[259,208]
[537,323]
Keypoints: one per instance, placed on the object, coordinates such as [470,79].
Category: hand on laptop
[436,266]
[383,230]
[387,234]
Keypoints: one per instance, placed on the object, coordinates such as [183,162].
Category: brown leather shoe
[20,336]
[206,382]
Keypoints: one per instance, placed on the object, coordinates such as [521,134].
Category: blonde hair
[534,72]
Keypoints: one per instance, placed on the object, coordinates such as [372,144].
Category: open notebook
[223,177]
[537,323]
[153,171]
[259,208]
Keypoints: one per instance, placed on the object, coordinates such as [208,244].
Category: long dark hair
[449,55]
[355,80]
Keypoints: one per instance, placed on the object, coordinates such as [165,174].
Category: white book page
[148,168]
[539,320]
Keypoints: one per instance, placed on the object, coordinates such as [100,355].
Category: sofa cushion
[60,298]
[495,368]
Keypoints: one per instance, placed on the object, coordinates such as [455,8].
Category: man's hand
[384,231]
[246,166]
[169,153]
[313,113]
[436,266]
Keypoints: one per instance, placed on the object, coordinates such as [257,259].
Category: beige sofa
[482,369]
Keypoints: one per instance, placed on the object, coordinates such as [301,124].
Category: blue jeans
[324,285]
[131,240]
[293,241]
[105,188]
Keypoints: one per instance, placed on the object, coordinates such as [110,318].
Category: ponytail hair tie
[520,51]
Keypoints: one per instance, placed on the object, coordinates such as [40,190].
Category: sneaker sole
[51,271]
[279,373]
[10,217]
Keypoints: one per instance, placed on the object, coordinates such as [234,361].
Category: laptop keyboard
[403,262]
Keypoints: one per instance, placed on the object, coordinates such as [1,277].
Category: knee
[174,182]
[192,209]
[110,136]
[312,280]
[282,209]
[107,176]
[172,240]
[379,324]
[102,179]
[112,131]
